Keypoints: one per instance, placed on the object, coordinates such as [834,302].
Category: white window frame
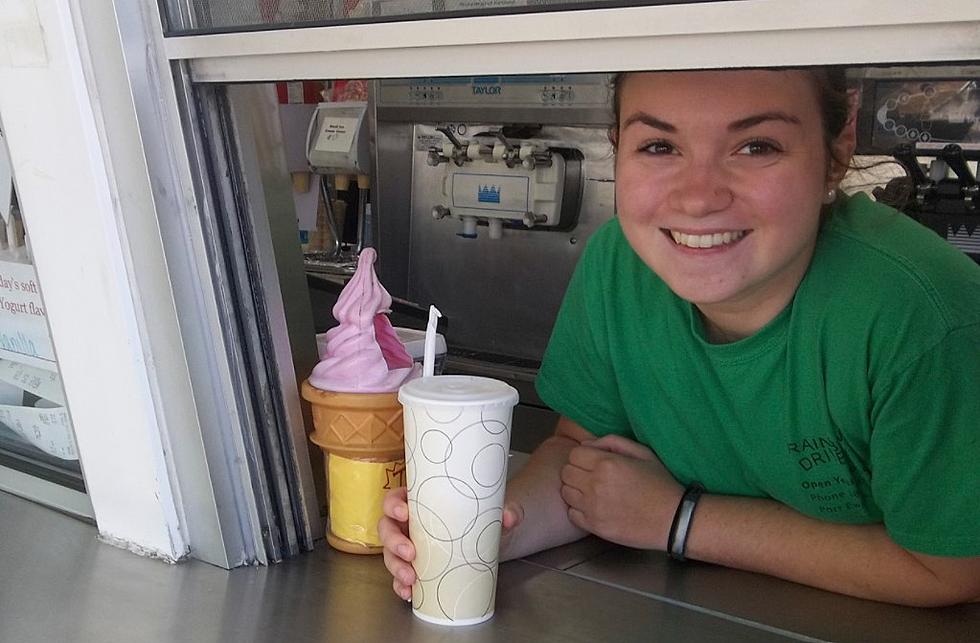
[744,33]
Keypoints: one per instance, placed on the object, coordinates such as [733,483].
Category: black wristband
[680,527]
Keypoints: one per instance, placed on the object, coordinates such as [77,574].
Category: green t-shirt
[859,403]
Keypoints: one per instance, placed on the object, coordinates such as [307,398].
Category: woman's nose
[700,189]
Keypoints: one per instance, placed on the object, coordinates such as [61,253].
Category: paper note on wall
[24,334]
[336,134]
[45,425]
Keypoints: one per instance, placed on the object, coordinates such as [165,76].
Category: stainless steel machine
[486,190]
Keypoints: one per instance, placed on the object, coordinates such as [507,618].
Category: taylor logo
[488,194]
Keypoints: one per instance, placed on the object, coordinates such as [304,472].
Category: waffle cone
[365,426]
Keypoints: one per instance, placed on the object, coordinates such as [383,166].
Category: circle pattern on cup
[436,446]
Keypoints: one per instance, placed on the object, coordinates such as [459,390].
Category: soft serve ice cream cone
[357,417]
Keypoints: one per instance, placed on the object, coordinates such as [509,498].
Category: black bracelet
[680,527]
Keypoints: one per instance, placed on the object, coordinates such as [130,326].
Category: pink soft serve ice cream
[363,353]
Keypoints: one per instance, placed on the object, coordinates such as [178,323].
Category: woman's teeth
[706,240]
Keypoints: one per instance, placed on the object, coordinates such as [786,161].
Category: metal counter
[796,611]
[60,584]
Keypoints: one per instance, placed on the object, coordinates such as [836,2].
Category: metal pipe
[331,220]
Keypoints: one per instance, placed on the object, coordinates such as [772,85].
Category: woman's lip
[707,231]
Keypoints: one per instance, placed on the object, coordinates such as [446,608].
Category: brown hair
[832,94]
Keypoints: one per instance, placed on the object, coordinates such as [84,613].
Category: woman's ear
[846,142]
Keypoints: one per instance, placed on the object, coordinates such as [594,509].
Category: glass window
[210,16]
[36,436]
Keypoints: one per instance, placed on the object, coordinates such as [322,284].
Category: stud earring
[830,196]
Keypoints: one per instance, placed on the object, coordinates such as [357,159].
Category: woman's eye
[658,147]
[759,148]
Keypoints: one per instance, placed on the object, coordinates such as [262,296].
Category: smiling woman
[753,369]
[737,156]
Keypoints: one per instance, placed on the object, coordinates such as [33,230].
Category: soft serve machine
[486,190]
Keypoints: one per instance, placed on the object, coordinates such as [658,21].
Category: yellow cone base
[351,548]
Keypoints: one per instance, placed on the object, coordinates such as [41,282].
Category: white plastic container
[414,341]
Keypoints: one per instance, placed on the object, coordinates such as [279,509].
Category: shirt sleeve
[577,376]
[925,448]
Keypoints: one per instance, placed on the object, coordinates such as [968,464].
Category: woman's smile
[717,240]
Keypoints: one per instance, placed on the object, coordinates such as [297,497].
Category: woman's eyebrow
[649,120]
[752,121]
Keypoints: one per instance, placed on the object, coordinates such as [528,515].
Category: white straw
[429,354]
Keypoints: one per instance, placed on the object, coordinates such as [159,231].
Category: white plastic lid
[414,341]
[457,390]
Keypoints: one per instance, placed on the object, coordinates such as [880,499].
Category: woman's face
[720,178]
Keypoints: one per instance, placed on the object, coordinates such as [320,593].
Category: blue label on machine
[490,192]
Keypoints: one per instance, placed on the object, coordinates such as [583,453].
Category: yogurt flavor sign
[24,335]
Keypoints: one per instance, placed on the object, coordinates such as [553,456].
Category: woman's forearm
[860,560]
[536,490]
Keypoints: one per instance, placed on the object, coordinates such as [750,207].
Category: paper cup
[457,437]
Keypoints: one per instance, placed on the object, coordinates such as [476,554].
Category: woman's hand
[398,549]
[620,491]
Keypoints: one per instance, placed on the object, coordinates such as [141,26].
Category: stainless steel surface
[58,581]
[785,606]
[392,186]
[469,113]
[501,296]
[567,557]
[554,99]
[60,584]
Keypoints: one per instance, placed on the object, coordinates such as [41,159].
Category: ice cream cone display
[357,418]
[356,425]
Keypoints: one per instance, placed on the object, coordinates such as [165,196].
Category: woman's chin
[700,293]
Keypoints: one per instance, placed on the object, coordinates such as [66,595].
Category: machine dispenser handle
[955,159]
[530,219]
[452,137]
[511,155]
[922,185]
[905,155]
[953,155]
